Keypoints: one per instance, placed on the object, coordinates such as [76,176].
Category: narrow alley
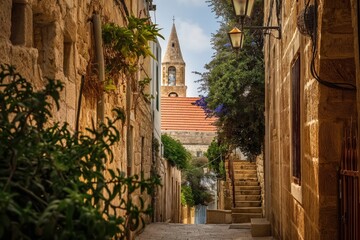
[171,231]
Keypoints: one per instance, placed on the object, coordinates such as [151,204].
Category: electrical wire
[335,85]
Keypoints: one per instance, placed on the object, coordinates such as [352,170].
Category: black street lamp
[236,38]
[242,9]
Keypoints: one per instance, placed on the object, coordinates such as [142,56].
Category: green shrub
[187,197]
[52,182]
[216,153]
[175,152]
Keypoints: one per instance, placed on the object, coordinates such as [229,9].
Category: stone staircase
[247,192]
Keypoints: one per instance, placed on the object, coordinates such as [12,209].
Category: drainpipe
[129,135]
[99,53]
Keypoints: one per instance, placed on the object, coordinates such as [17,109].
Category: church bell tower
[173,69]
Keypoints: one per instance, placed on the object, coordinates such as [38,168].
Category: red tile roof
[178,113]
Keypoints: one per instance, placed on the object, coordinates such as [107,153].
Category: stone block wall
[261,179]
[188,215]
[46,38]
[308,210]
[194,142]
[167,200]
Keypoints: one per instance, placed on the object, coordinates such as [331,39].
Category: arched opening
[173,94]
[171,76]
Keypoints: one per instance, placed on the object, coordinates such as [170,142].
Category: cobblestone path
[172,231]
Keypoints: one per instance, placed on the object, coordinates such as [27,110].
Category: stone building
[308,115]
[167,199]
[181,119]
[173,69]
[56,39]
[186,122]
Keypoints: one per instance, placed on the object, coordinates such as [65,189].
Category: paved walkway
[172,231]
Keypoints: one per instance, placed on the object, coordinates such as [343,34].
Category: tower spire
[173,68]
[173,51]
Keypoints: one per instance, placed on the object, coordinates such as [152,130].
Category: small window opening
[67,59]
[17,36]
[173,94]
[173,44]
[44,41]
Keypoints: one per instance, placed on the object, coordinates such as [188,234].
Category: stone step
[243,167]
[260,227]
[241,163]
[248,179]
[248,171]
[246,183]
[247,210]
[247,197]
[247,192]
[245,176]
[239,188]
[247,203]
[244,217]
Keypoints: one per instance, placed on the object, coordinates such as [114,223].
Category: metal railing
[232,178]
[349,187]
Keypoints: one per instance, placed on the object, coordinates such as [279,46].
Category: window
[172,76]
[157,89]
[44,41]
[130,150]
[199,153]
[295,115]
[173,94]
[67,58]
[18,24]
[142,158]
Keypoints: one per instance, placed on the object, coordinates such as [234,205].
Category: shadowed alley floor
[172,231]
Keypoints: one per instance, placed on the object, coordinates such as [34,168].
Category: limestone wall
[308,210]
[188,215]
[261,179]
[47,38]
[195,142]
[167,199]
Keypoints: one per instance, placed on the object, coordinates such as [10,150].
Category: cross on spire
[174,19]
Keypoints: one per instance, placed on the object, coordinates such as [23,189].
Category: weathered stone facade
[55,39]
[167,200]
[196,143]
[261,179]
[308,207]
[173,69]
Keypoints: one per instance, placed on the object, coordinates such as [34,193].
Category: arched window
[173,94]
[172,76]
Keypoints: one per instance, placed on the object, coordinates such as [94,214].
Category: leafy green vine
[124,47]
[54,184]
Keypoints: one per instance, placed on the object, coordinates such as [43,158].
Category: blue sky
[194,23]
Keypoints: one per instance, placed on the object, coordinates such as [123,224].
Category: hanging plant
[125,46]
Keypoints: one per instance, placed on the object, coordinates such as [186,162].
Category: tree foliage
[216,154]
[234,82]
[175,152]
[187,197]
[198,182]
[54,184]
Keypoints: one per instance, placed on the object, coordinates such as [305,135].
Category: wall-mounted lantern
[236,38]
[242,9]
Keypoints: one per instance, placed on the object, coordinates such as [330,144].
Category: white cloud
[192,36]
[193,2]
